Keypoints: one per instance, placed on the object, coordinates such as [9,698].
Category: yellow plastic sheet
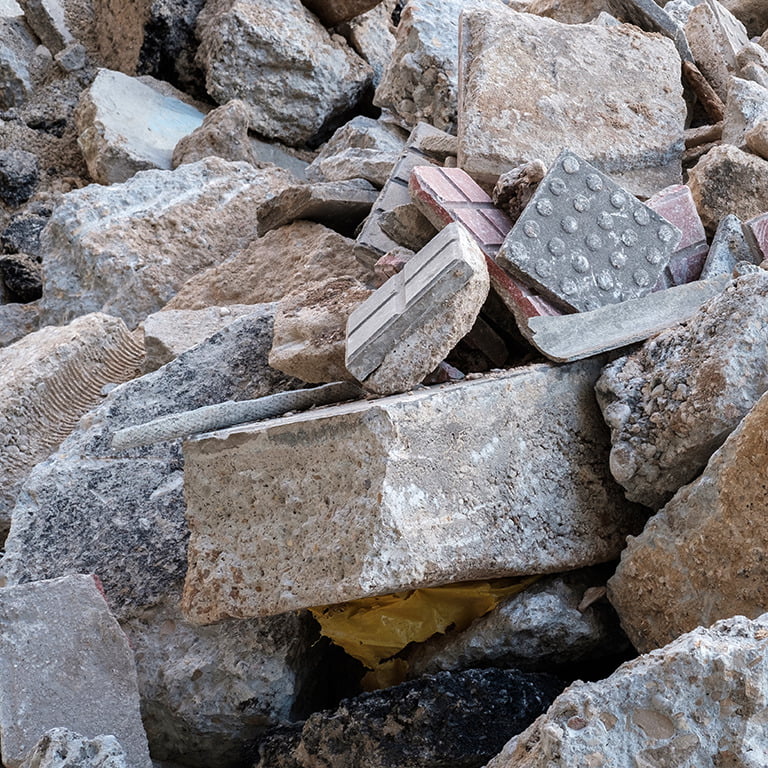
[374,629]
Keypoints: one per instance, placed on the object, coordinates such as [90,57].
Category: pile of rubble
[379,379]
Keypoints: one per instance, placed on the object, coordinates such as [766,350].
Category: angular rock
[673,707]
[62,748]
[223,133]
[389,520]
[342,204]
[390,264]
[170,333]
[310,330]
[308,77]
[47,19]
[700,558]
[405,328]
[542,628]
[623,113]
[406,224]
[756,235]
[81,676]
[564,338]
[333,12]
[561,10]
[17,46]
[672,403]
[752,13]
[17,320]
[368,164]
[584,242]
[283,261]
[729,247]
[747,105]
[514,189]
[19,176]
[457,719]
[22,276]
[727,180]
[753,63]
[126,249]
[647,15]
[371,35]
[125,126]
[48,381]
[22,235]
[10,8]
[420,82]
[756,139]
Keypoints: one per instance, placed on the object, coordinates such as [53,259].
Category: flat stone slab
[65,662]
[648,15]
[503,475]
[572,337]
[585,242]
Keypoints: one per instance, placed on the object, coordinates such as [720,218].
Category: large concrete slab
[502,475]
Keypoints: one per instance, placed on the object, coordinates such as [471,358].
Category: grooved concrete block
[81,676]
[405,328]
[611,95]
[501,475]
[124,126]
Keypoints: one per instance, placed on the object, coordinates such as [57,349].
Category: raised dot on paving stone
[665,234]
[653,255]
[594,182]
[543,268]
[641,277]
[594,243]
[544,207]
[519,252]
[580,263]
[605,221]
[557,187]
[571,165]
[618,259]
[531,229]
[568,286]
[556,246]
[641,216]
[629,237]
[569,225]
[581,203]
[618,200]
[605,281]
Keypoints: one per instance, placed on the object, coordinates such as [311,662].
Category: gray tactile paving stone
[585,242]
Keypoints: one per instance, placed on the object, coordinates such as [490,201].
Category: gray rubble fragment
[746,106]
[729,247]
[63,748]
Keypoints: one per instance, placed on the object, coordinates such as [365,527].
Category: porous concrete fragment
[620,108]
[756,139]
[673,402]
[170,333]
[307,76]
[310,330]
[48,21]
[674,707]
[48,380]
[17,47]
[648,15]
[729,247]
[126,249]
[460,719]
[747,105]
[563,338]
[63,748]
[283,261]
[125,126]
[715,36]
[333,12]
[81,676]
[514,189]
[420,82]
[382,519]
[700,558]
[405,328]
[541,629]
[728,180]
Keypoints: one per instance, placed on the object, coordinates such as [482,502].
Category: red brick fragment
[756,232]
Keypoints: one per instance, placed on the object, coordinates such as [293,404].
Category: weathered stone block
[756,234]
[374,514]
[746,106]
[48,21]
[62,748]
[81,676]
[17,46]
[620,107]
[729,247]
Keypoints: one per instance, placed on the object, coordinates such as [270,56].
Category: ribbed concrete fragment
[501,475]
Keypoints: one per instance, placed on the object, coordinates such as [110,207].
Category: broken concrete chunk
[584,242]
[753,63]
[81,677]
[756,139]
[672,403]
[407,225]
[310,330]
[514,189]
[390,264]
[125,126]
[371,35]
[19,176]
[729,247]
[17,47]
[47,19]
[752,13]
[307,77]
[648,15]
[383,519]
[747,105]
[333,12]
[727,180]
[401,332]
[62,748]
[17,320]
[659,709]
[342,204]
[621,108]
[48,380]
[572,337]
[700,558]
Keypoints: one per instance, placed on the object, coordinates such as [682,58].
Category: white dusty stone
[125,127]
[48,380]
[405,328]
[421,79]
[64,662]
[496,476]
[672,403]
[48,21]
[9,9]
[701,558]
[753,63]
[170,333]
[700,701]
[17,47]
[62,748]
[307,76]
[747,106]
[126,249]
[611,95]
